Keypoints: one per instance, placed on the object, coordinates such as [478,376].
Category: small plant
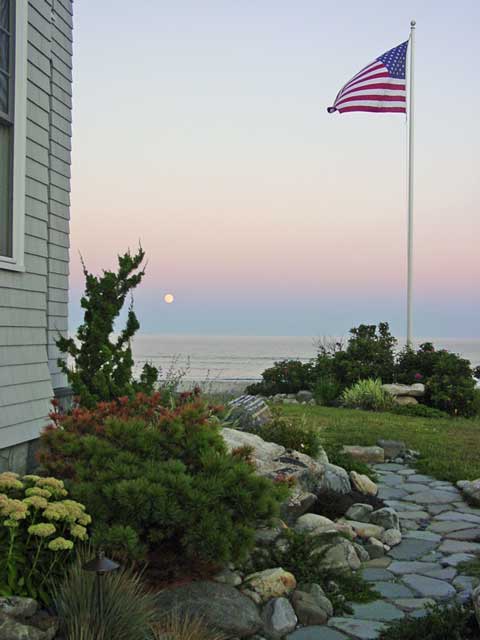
[155,476]
[368,395]
[291,433]
[302,556]
[125,611]
[39,528]
[470,568]
[326,391]
[102,369]
[338,457]
[419,411]
[183,627]
[452,622]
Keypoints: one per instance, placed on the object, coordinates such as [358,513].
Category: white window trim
[16,262]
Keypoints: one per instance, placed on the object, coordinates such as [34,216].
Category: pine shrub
[155,477]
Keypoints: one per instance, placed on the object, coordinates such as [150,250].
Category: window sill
[11,265]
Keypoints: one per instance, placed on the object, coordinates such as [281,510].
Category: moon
[168,298]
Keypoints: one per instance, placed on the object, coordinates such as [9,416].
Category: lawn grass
[449,447]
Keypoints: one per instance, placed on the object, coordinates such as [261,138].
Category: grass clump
[368,395]
[296,432]
[470,568]
[177,627]
[441,623]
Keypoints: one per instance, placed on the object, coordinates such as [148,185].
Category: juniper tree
[101,368]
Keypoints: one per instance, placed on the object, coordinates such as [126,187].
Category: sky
[201,131]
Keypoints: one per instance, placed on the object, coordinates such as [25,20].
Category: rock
[405,400]
[298,503]
[247,412]
[310,608]
[313,523]
[369,455]
[18,607]
[365,529]
[356,628]
[363,484]
[403,568]
[359,512]
[375,548]
[226,576]
[304,396]
[335,479]
[459,546]
[429,587]
[471,491]
[416,390]
[390,590]
[322,456]
[362,553]
[338,556]
[411,604]
[386,518]
[392,537]
[265,536]
[278,618]
[412,549]
[12,629]
[457,558]
[432,496]
[316,633]
[273,461]
[221,606]
[271,583]
[377,610]
[471,535]
[392,448]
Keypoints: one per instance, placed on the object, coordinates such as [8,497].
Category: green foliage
[291,433]
[452,622]
[156,477]
[368,395]
[183,627]
[326,390]
[287,376]
[128,611]
[102,368]
[448,378]
[302,554]
[470,568]
[38,530]
[419,411]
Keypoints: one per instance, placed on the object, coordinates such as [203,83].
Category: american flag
[379,87]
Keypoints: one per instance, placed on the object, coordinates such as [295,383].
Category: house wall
[34,303]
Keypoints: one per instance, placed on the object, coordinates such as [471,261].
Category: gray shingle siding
[34,303]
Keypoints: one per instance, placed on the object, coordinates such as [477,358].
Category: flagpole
[410,187]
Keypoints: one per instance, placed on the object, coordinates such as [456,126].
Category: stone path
[440,530]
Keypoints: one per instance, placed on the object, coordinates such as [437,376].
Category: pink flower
[418,376]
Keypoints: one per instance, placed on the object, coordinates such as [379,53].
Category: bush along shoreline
[353,375]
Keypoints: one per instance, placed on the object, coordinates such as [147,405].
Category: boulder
[313,523]
[265,536]
[375,548]
[386,518]
[273,461]
[363,484]
[362,553]
[392,537]
[297,503]
[304,396]
[392,448]
[339,555]
[364,529]
[334,480]
[19,620]
[405,400]
[471,491]
[416,390]
[247,412]
[227,576]
[360,512]
[279,618]
[221,606]
[312,607]
[18,607]
[369,455]
[271,583]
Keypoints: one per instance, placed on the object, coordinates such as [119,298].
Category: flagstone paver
[439,532]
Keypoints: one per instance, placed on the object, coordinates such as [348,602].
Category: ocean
[241,359]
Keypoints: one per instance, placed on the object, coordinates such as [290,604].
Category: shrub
[326,390]
[101,368]
[128,612]
[419,411]
[287,376]
[452,622]
[367,394]
[39,527]
[292,433]
[152,476]
[338,457]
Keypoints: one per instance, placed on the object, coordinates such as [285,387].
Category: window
[6,125]
[13,106]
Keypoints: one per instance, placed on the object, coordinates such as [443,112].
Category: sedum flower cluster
[39,527]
